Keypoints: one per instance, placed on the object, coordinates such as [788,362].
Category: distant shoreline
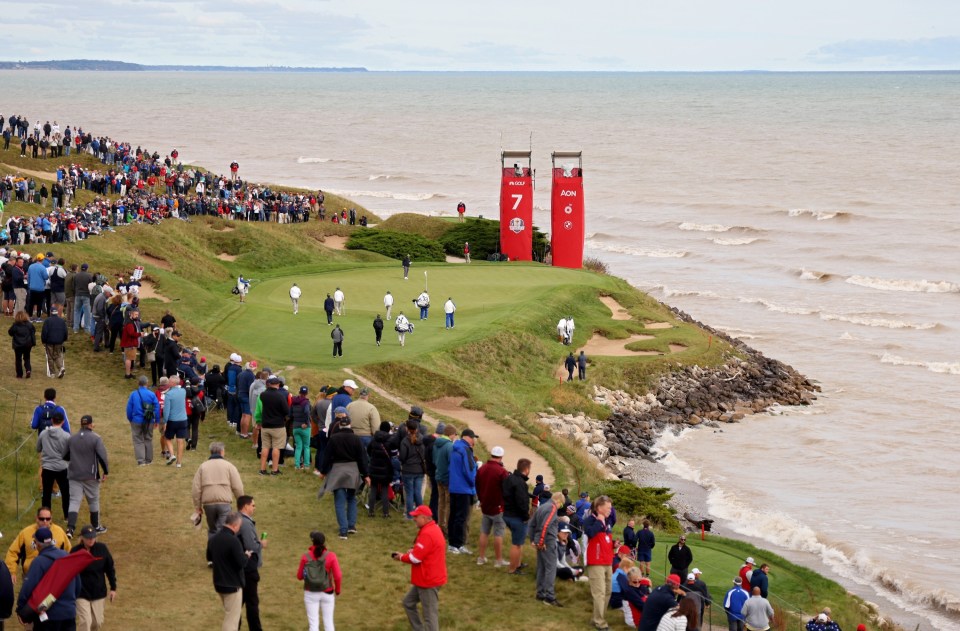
[97,65]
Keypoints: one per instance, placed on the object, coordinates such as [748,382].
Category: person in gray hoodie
[52,445]
[87,456]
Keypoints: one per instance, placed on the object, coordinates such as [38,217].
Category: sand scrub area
[335,242]
[490,432]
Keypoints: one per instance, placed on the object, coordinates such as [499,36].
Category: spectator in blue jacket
[645,543]
[733,604]
[141,400]
[64,609]
[463,476]
[37,277]
[759,579]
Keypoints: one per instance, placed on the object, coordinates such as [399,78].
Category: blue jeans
[412,490]
[81,309]
[449,320]
[423,312]
[345,503]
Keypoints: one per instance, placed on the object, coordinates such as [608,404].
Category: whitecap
[743,241]
[309,160]
[946,368]
[687,225]
[778,308]
[812,274]
[819,215]
[623,249]
[870,320]
[897,284]
[413,197]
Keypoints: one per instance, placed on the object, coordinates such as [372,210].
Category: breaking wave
[742,241]
[812,274]
[687,225]
[896,284]
[373,178]
[309,160]
[946,368]
[819,215]
[624,249]
[874,321]
[411,197]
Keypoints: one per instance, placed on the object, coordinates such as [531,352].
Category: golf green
[487,297]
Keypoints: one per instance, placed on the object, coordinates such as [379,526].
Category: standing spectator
[381,470]
[423,302]
[733,603]
[228,561]
[253,544]
[757,612]
[300,409]
[24,336]
[645,544]
[130,341]
[442,449]
[244,383]
[338,301]
[337,336]
[69,287]
[448,309]
[630,535]
[215,485]
[516,510]
[63,612]
[271,413]
[463,475]
[295,298]
[93,581]
[175,419]
[143,409]
[759,579]
[378,328]
[328,306]
[413,466]
[598,528]
[52,446]
[231,373]
[428,572]
[466,249]
[87,456]
[680,557]
[700,587]
[746,571]
[406,266]
[364,417]
[322,577]
[581,365]
[54,336]
[490,477]
[388,303]
[344,465]
[6,586]
[543,535]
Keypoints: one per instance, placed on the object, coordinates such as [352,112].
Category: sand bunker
[335,242]
[223,256]
[599,345]
[156,262]
[619,313]
[658,325]
[149,290]
[677,348]
[455,259]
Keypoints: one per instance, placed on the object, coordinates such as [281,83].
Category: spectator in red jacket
[130,342]
[597,527]
[746,570]
[428,571]
[490,479]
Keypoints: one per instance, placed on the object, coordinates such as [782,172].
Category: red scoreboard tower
[566,209]
[516,205]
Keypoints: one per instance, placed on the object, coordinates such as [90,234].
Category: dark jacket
[645,540]
[54,331]
[344,446]
[378,324]
[226,553]
[381,468]
[244,380]
[171,357]
[6,592]
[760,579]
[24,335]
[412,460]
[300,411]
[65,608]
[680,558]
[516,497]
[274,408]
[92,584]
[328,305]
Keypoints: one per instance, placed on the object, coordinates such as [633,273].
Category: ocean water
[813,215]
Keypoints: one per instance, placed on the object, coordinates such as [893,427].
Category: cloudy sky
[632,35]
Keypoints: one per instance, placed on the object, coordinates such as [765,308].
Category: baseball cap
[304,389]
[84,266]
[673,578]
[497,452]
[416,410]
[696,570]
[273,379]
[364,392]
[623,550]
[738,581]
[235,358]
[441,426]
[422,510]
[349,383]
[584,494]
[564,528]
[43,535]
[340,410]
[691,577]
[468,432]
[88,532]
[749,560]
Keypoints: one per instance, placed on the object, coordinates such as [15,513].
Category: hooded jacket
[463,469]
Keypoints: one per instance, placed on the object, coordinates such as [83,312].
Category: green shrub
[413,223]
[484,238]
[396,245]
[650,502]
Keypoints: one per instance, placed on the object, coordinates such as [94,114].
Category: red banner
[516,214]
[566,218]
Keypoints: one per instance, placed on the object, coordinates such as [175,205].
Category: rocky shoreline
[692,396]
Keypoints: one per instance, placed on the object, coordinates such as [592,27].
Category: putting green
[487,297]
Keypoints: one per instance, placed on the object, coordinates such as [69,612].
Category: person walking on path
[337,336]
[680,557]
[733,603]
[252,543]
[215,485]
[142,409]
[53,335]
[757,612]
[63,612]
[87,457]
[463,476]
[378,328]
[338,301]
[93,581]
[406,266]
[598,528]
[344,465]
[175,420]
[570,363]
[516,510]
[490,477]
[295,298]
[388,303]
[543,535]
[428,572]
[448,309]
[328,309]
[52,446]
[402,326]
[322,578]
[24,338]
[22,550]
[582,366]
[228,561]
[243,288]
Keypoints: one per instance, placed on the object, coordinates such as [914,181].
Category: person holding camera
[428,571]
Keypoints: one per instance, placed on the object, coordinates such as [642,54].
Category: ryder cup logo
[516,225]
[568,225]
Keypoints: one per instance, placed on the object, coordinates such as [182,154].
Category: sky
[563,35]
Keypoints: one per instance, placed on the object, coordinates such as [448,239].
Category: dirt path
[43,175]
[490,432]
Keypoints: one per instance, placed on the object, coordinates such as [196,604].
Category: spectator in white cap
[490,479]
[745,571]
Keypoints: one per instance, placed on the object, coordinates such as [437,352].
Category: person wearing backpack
[321,575]
[43,414]
[143,410]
